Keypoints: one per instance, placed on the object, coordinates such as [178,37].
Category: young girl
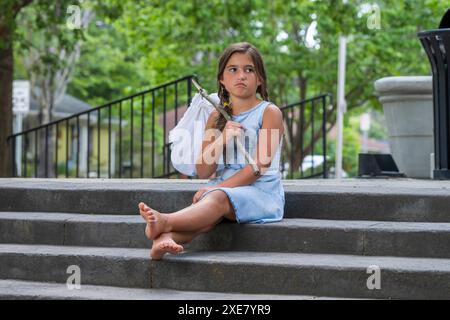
[238,193]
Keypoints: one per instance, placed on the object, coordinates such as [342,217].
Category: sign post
[21,106]
[341,105]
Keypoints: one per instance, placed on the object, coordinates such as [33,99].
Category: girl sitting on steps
[237,193]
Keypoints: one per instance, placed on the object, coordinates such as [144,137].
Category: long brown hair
[241,47]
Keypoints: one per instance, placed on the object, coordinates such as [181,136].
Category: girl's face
[239,76]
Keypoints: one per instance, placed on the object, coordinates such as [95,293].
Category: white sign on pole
[21,105]
[21,96]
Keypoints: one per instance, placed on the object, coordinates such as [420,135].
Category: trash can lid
[445,22]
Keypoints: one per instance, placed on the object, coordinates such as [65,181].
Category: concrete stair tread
[63,217]
[316,260]
[247,272]
[349,199]
[46,250]
[16,289]
[333,232]
[394,226]
[354,185]
[353,237]
[240,258]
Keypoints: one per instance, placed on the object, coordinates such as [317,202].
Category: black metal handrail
[157,98]
[305,125]
[309,116]
[312,123]
[437,47]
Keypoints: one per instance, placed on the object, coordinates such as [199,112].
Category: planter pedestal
[408,109]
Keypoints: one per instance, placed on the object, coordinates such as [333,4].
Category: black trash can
[437,46]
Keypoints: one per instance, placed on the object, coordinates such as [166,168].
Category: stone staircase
[333,236]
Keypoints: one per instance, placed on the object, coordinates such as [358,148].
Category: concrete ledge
[246,272]
[353,199]
[26,290]
[122,267]
[338,275]
[73,229]
[411,239]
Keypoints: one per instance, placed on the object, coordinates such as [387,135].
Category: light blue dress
[262,201]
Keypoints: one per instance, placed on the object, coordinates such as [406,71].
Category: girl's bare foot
[164,244]
[156,222]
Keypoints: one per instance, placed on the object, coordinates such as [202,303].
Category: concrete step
[349,199]
[73,229]
[245,272]
[409,239]
[31,290]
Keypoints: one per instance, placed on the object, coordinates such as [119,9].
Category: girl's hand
[232,129]
[199,193]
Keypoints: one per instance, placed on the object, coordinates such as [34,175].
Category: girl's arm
[213,143]
[206,163]
[272,126]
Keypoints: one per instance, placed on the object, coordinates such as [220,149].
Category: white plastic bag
[186,138]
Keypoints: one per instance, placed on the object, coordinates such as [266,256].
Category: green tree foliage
[9,9]
[108,69]
[184,37]
[151,42]
[39,31]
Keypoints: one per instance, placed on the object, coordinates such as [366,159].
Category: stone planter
[408,109]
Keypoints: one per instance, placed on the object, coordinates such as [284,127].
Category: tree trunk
[6,81]
[46,160]
[299,131]
[302,82]
[8,13]
[46,166]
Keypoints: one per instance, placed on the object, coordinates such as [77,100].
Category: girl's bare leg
[167,241]
[205,213]
[187,236]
